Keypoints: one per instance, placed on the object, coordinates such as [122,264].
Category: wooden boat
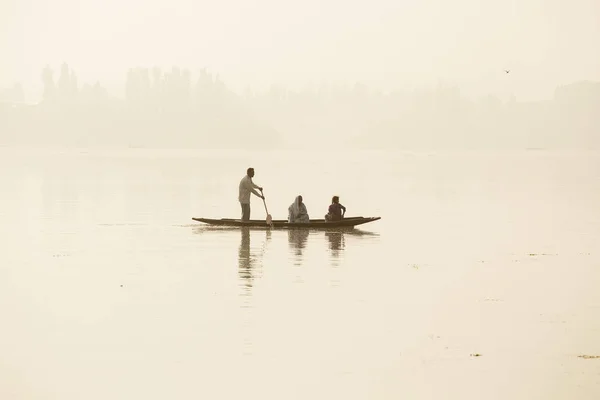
[283,223]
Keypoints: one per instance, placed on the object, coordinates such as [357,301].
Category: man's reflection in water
[297,240]
[245,260]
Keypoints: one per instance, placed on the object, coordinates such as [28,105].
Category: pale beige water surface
[481,280]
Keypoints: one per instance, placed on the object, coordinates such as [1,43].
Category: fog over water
[471,128]
[406,74]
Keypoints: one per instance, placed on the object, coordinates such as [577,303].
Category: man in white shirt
[247,187]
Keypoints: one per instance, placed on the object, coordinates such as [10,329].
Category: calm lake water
[481,280]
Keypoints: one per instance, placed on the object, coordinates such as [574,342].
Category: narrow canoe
[282,223]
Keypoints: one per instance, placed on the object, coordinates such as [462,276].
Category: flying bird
[507,70]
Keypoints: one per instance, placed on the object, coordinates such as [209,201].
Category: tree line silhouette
[172,108]
[160,108]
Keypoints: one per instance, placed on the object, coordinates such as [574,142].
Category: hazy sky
[386,43]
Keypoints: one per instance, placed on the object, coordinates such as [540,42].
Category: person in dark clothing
[336,210]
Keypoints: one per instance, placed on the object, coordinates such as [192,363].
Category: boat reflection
[297,239]
[245,261]
[249,258]
[336,240]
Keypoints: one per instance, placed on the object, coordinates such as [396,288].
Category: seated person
[297,211]
[336,210]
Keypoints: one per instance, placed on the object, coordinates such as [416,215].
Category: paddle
[269,218]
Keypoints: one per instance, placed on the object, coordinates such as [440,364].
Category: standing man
[246,187]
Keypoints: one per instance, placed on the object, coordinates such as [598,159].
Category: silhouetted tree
[49,93]
[64,83]
[145,86]
[74,84]
[162,108]
[130,87]
[186,90]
